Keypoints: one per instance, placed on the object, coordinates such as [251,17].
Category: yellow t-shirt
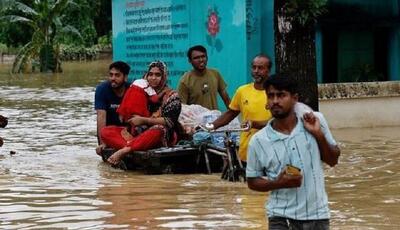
[251,104]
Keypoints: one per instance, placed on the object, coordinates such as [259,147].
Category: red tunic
[135,102]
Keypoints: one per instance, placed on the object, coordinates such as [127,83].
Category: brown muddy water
[56,181]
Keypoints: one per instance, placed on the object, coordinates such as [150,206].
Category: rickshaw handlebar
[244,128]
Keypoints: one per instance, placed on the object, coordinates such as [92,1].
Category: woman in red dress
[163,125]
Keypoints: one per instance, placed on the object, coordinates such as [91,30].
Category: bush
[104,41]
[3,48]
[78,53]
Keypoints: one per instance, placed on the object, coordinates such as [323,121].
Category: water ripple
[56,181]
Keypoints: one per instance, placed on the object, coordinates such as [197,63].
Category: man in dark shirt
[108,97]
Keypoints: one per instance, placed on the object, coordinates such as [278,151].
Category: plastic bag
[300,109]
[201,137]
[194,115]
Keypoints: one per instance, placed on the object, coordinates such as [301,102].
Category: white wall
[361,112]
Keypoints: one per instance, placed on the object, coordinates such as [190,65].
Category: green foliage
[45,18]
[12,34]
[78,53]
[305,11]
[105,41]
[82,21]
[92,18]
[102,18]
[3,48]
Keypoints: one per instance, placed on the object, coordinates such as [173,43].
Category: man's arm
[225,118]
[329,153]
[183,92]
[258,124]
[255,169]
[101,122]
[283,181]
[225,97]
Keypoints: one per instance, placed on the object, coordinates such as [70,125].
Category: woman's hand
[138,120]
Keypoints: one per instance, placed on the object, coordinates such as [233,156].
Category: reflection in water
[190,202]
[56,181]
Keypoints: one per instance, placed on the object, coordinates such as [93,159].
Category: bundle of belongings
[193,116]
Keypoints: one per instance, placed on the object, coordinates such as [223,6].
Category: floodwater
[56,181]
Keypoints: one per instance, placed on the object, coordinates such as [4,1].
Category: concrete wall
[370,104]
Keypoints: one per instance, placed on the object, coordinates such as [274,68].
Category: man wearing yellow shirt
[249,101]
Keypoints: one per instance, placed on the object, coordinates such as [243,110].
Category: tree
[102,19]
[295,43]
[83,22]
[12,34]
[45,18]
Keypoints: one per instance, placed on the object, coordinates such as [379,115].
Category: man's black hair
[197,48]
[282,82]
[121,66]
